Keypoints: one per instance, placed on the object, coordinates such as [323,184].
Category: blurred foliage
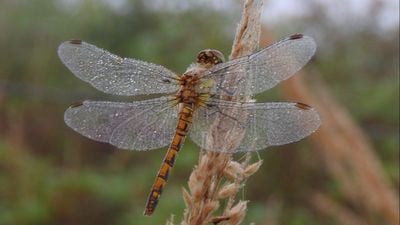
[51,175]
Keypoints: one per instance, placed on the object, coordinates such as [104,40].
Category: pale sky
[339,11]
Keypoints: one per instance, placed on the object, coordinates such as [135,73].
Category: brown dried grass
[349,157]
[217,177]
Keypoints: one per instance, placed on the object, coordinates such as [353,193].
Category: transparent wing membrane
[261,124]
[262,70]
[141,125]
[216,125]
[115,75]
[151,124]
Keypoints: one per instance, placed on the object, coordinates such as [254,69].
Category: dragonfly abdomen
[184,122]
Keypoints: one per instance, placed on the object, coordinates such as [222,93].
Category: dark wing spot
[303,106]
[165,80]
[75,41]
[295,36]
[76,104]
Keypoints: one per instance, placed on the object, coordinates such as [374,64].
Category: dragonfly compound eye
[210,56]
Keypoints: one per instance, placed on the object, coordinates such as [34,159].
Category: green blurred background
[51,175]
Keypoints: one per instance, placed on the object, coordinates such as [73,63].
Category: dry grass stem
[328,206]
[170,221]
[348,154]
[247,36]
[217,178]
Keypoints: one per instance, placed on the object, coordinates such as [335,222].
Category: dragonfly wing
[140,125]
[259,125]
[115,75]
[262,70]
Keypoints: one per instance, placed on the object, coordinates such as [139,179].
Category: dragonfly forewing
[262,70]
[260,124]
[140,125]
[115,75]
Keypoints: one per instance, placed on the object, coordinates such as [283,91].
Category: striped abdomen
[184,122]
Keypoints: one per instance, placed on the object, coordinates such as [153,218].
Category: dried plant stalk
[342,215]
[206,189]
[348,154]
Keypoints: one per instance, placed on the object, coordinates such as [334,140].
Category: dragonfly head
[210,57]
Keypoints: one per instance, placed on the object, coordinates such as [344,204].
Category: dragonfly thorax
[188,89]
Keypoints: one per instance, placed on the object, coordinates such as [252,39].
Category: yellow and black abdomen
[184,122]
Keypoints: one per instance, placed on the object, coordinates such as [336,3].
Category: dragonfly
[192,101]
